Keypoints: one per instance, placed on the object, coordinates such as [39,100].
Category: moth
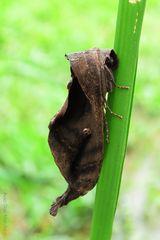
[76,132]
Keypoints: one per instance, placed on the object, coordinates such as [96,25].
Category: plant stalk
[126,45]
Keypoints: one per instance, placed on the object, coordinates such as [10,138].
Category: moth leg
[106,129]
[122,87]
[113,113]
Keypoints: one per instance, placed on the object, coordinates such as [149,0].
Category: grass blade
[128,29]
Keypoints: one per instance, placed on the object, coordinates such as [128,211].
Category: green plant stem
[128,29]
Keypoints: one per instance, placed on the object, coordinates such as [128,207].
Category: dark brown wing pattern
[76,136]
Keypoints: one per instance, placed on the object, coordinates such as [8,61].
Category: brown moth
[76,136]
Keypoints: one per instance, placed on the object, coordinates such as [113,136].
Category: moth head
[111,60]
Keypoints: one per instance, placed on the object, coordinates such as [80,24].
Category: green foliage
[34,37]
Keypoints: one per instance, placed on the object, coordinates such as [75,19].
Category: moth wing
[87,69]
[66,133]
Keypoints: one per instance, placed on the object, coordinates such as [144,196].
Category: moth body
[76,133]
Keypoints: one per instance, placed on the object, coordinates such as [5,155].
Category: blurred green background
[34,36]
